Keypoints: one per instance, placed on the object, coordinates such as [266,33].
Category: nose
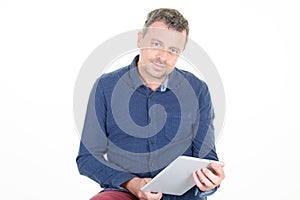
[162,55]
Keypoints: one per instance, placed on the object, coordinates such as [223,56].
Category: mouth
[159,66]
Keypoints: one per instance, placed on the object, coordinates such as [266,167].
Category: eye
[156,44]
[174,51]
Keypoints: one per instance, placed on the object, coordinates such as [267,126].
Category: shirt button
[152,142]
[151,97]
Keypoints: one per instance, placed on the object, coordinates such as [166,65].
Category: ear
[140,37]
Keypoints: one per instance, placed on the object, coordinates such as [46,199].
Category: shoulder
[198,84]
[106,82]
[114,75]
[111,78]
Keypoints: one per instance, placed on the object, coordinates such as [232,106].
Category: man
[141,117]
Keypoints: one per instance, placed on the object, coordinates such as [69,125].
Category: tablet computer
[177,177]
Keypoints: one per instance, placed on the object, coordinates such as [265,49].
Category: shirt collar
[164,86]
[134,74]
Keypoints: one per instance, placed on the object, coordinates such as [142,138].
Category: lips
[158,66]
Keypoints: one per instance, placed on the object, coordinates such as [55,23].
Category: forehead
[160,31]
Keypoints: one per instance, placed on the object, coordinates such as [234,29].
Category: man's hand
[134,186]
[208,178]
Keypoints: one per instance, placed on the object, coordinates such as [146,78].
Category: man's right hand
[134,186]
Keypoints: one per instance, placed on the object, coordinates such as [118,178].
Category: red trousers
[113,195]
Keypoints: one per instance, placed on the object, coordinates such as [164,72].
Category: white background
[43,44]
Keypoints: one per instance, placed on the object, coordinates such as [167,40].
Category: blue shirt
[132,131]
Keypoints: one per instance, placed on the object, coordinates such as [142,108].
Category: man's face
[160,48]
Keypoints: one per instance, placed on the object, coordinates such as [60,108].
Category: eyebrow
[157,40]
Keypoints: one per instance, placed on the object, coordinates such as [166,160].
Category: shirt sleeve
[204,140]
[91,161]
[201,194]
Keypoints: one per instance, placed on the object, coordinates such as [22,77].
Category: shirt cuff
[121,178]
[200,193]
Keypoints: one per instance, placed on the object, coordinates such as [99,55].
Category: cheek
[146,54]
[172,62]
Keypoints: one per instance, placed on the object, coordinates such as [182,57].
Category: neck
[151,82]
[153,86]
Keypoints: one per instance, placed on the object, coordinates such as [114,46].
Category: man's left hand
[208,178]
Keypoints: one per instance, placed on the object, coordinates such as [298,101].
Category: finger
[160,195]
[151,195]
[214,179]
[146,180]
[204,180]
[219,171]
[198,182]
